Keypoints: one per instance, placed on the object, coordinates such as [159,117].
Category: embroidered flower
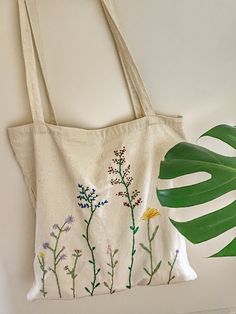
[70,219]
[41,254]
[150,213]
[45,245]
[62,257]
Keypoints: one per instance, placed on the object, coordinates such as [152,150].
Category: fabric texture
[99,226]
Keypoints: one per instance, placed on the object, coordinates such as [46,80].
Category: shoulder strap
[139,96]
[32,42]
[29,46]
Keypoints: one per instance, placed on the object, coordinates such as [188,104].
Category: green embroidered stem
[133,227]
[132,200]
[172,267]
[44,271]
[93,261]
[71,272]
[150,249]
[57,254]
[112,265]
[89,197]
[55,258]
[150,213]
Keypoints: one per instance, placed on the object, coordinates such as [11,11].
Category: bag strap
[139,96]
[32,46]
[29,46]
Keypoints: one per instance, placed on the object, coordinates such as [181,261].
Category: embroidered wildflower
[41,254]
[150,213]
[62,257]
[45,245]
[70,219]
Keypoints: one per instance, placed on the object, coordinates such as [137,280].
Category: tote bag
[99,226]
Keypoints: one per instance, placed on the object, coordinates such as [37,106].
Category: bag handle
[139,96]
[32,46]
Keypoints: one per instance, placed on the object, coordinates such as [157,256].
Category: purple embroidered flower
[45,245]
[62,257]
[52,234]
[70,219]
[55,226]
[67,228]
[177,251]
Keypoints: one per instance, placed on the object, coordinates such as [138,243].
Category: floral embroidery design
[87,199]
[171,277]
[58,255]
[72,271]
[41,260]
[123,178]
[112,264]
[150,213]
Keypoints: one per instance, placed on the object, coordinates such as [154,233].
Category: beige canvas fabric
[99,226]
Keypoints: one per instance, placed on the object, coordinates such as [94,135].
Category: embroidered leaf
[154,233]
[144,247]
[106,284]
[97,284]
[87,289]
[115,252]
[157,267]
[136,229]
[146,271]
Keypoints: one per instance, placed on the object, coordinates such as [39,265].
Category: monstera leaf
[186,158]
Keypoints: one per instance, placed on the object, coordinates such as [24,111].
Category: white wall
[186,53]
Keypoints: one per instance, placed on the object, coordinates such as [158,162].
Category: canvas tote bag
[99,226]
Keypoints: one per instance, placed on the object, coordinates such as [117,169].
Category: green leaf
[144,247]
[115,252]
[136,229]
[157,267]
[87,290]
[97,285]
[106,284]
[223,132]
[145,269]
[186,158]
[154,233]
[208,226]
[228,250]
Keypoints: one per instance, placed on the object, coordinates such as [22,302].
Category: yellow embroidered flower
[150,213]
[41,254]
